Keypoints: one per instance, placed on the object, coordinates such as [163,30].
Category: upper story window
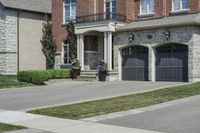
[111,8]
[70,10]
[180,5]
[146,7]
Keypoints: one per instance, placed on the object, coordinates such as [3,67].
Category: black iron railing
[99,17]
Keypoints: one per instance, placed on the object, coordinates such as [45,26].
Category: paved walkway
[44,124]
[71,92]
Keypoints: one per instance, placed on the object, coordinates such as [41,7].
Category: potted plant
[76,69]
[102,70]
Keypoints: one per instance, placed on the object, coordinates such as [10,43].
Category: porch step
[91,75]
[88,75]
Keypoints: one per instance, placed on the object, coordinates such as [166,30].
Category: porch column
[105,47]
[108,49]
[80,50]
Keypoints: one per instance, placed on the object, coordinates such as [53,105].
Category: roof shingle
[43,6]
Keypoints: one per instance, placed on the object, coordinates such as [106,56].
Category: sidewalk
[44,124]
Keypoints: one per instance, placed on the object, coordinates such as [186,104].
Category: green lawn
[8,127]
[11,82]
[117,104]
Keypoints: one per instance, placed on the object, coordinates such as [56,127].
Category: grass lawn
[8,127]
[117,104]
[11,82]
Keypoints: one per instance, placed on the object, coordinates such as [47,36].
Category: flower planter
[102,76]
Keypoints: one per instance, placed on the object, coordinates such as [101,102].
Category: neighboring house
[20,34]
[143,40]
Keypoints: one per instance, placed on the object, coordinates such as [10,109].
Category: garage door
[135,63]
[172,63]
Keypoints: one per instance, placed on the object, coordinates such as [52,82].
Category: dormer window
[178,5]
[146,7]
[70,10]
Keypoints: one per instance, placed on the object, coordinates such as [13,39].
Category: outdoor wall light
[131,37]
[167,34]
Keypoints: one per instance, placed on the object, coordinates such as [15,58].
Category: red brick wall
[84,8]
[159,8]
[100,6]
[130,9]
[121,7]
[195,6]
[136,8]
[59,32]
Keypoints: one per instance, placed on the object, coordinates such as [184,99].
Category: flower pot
[102,77]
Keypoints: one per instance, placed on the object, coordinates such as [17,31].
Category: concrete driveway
[71,92]
[181,116]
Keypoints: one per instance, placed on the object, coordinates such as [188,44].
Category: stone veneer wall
[189,35]
[8,41]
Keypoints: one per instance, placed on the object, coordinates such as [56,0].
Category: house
[20,34]
[141,40]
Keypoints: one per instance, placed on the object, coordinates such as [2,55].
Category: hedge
[40,76]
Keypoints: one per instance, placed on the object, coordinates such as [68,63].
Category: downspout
[18,15]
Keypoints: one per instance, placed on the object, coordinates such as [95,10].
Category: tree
[48,44]
[72,41]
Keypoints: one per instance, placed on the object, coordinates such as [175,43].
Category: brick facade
[59,32]
[129,8]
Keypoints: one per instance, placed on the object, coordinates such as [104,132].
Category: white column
[78,47]
[81,55]
[153,65]
[105,47]
[109,51]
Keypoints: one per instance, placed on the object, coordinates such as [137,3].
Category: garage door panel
[135,63]
[172,64]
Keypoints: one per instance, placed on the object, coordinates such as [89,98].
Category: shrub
[40,76]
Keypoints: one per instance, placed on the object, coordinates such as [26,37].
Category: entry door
[172,63]
[135,63]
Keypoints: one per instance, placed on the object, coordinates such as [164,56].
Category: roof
[43,6]
[192,19]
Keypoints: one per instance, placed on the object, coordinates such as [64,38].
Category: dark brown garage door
[135,63]
[172,63]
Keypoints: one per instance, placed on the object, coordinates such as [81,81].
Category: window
[180,5]
[146,7]
[70,10]
[111,9]
[66,59]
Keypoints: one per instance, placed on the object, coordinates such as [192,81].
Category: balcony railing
[100,17]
